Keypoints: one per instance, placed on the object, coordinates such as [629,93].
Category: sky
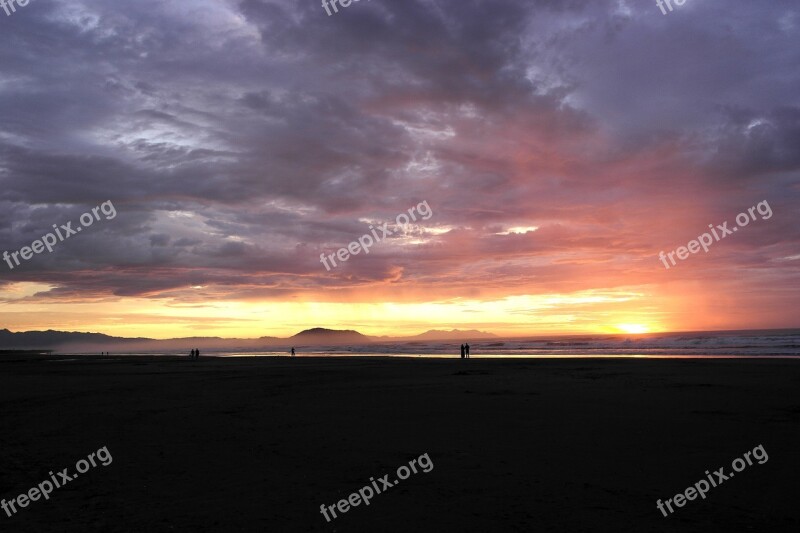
[560,145]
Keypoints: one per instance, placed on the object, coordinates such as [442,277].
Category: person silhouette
[462,351]
[466,347]
[292,351]
[196,353]
[191,354]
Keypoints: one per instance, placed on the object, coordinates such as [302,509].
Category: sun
[633,329]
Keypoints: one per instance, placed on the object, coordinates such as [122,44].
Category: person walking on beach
[462,351]
[191,354]
[466,347]
[196,353]
[292,351]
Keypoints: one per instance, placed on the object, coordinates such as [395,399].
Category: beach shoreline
[244,444]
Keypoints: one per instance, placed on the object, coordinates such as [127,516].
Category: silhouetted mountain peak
[323,335]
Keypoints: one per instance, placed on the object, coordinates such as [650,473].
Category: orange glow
[633,329]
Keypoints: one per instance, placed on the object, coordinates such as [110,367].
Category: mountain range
[79,341]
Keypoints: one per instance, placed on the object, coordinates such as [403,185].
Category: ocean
[760,343]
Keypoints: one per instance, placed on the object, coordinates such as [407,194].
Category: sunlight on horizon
[633,329]
[580,312]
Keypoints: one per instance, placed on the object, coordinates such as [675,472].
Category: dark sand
[257,445]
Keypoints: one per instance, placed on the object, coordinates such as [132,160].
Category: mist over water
[783,343]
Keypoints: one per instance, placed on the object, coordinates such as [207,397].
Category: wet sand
[257,444]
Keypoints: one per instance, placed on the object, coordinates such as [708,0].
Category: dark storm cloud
[239,140]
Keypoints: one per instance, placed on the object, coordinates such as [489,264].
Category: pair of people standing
[195,354]
[465,351]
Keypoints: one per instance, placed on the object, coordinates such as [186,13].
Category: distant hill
[91,342]
[453,334]
[51,338]
[330,336]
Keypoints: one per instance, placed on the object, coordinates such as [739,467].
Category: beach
[259,444]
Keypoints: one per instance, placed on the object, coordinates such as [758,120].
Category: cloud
[239,140]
